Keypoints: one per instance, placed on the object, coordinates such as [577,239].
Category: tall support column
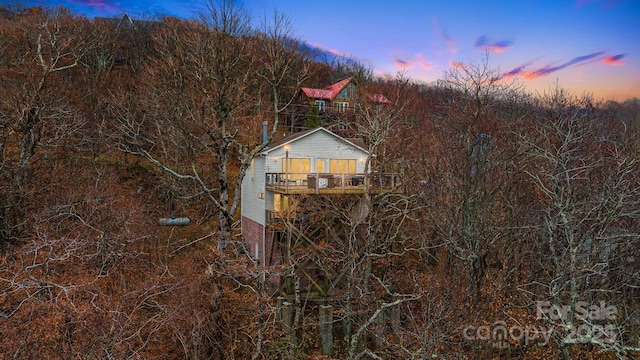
[326,329]
[287,316]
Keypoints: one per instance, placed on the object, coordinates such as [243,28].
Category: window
[343,166]
[341,106]
[297,168]
[347,92]
[280,202]
[320,105]
[261,195]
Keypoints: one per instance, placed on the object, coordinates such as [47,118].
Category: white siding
[268,201]
[319,145]
[252,206]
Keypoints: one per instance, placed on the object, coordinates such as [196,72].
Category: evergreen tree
[313,118]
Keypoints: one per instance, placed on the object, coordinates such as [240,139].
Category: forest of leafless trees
[516,233]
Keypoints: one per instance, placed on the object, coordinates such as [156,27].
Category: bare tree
[39,47]
[346,249]
[586,170]
[471,168]
[205,88]
[283,60]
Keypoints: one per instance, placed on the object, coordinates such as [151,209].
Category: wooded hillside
[516,233]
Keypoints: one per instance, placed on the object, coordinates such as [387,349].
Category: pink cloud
[549,69]
[402,64]
[408,64]
[333,52]
[496,46]
[615,60]
[420,60]
[518,71]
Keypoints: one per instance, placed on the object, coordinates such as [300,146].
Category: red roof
[328,93]
[339,86]
[331,91]
[318,93]
[379,98]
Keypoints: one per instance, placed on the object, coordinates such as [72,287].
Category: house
[309,163]
[340,97]
[126,22]
[337,103]
[133,41]
[284,193]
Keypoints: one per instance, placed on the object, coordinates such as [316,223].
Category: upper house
[339,100]
[313,162]
[134,39]
[340,96]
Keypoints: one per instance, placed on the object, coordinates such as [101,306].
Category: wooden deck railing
[327,183]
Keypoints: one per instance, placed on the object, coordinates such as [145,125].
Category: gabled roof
[339,86]
[126,22]
[318,93]
[287,139]
[331,91]
[328,93]
[299,135]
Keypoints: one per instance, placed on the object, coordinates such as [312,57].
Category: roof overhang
[298,136]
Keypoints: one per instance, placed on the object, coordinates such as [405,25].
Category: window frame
[341,106]
[336,166]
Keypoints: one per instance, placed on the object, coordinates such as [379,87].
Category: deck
[325,183]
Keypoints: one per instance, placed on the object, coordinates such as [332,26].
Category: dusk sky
[586,46]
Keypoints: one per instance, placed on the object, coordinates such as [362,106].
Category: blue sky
[586,46]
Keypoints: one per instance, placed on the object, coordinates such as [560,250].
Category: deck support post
[326,329]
